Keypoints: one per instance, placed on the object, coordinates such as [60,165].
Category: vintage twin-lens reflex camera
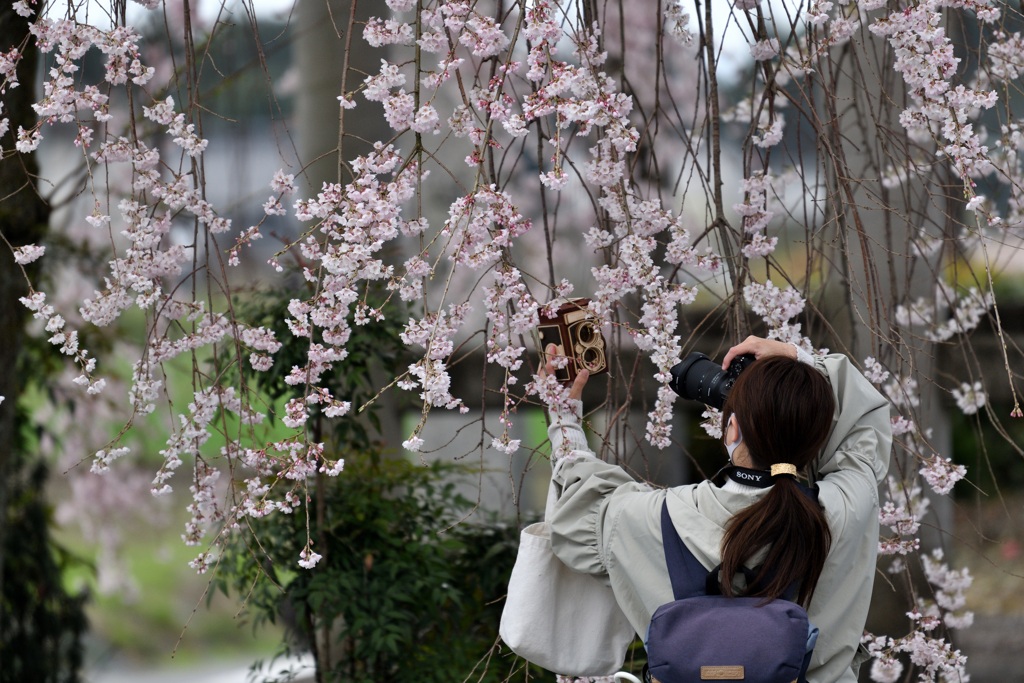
[578,337]
[698,378]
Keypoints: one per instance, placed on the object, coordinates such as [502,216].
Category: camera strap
[760,479]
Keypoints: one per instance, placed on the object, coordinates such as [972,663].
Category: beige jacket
[607,524]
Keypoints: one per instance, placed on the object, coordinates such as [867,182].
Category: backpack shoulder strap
[688,575]
[809,491]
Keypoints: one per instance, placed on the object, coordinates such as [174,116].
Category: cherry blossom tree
[834,174]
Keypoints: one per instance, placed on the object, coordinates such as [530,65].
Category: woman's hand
[761,348]
[576,390]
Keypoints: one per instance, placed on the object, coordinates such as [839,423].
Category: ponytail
[784,409]
[794,529]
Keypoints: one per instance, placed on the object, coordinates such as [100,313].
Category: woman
[780,411]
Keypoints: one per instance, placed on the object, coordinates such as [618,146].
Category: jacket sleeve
[585,486]
[856,457]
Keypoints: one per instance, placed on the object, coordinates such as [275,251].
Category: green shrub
[405,591]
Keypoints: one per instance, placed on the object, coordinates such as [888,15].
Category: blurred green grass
[175,617]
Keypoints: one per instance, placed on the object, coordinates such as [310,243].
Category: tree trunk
[332,62]
[23,220]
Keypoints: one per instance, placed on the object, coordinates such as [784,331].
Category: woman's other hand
[761,348]
[576,390]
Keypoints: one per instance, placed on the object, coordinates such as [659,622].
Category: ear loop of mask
[731,447]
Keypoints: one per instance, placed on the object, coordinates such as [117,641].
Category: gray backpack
[705,636]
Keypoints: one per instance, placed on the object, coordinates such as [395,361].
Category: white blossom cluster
[902,512]
[933,656]
[777,307]
[756,216]
[940,110]
[678,23]
[966,311]
[970,397]
[942,473]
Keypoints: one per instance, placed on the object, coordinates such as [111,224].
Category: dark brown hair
[784,409]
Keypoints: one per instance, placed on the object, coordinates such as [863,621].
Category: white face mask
[731,447]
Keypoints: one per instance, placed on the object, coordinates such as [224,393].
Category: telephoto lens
[698,378]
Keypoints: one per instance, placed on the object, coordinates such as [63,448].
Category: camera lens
[585,333]
[591,358]
[698,378]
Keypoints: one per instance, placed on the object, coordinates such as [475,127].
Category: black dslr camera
[698,378]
